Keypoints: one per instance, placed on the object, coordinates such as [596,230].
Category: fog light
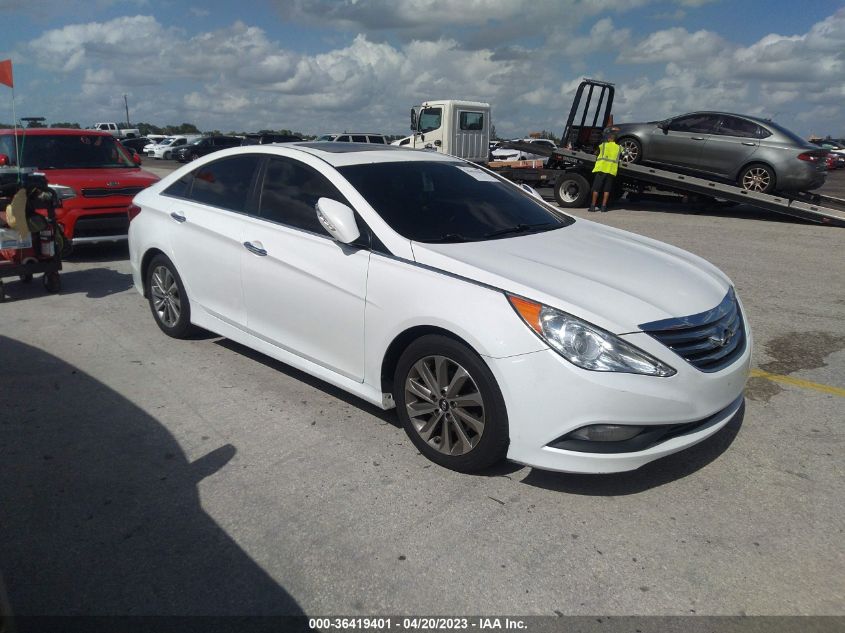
[606,433]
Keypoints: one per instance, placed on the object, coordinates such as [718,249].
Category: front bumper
[547,397]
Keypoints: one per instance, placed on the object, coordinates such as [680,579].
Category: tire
[166,156]
[168,299]
[758,178]
[572,190]
[52,282]
[476,434]
[194,156]
[631,151]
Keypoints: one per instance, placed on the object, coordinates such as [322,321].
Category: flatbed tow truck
[568,170]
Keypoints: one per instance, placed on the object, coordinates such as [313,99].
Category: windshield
[430,119]
[449,202]
[67,151]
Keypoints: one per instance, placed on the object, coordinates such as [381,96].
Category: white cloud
[238,77]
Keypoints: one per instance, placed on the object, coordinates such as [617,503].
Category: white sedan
[507,153]
[495,324]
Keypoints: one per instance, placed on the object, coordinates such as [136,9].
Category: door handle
[749,144]
[697,138]
[178,217]
[252,248]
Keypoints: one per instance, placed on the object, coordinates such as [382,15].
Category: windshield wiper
[449,237]
[517,228]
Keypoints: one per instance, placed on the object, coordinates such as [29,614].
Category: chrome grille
[102,192]
[709,340]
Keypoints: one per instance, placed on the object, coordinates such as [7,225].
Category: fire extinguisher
[48,242]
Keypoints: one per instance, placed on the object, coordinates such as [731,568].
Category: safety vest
[608,158]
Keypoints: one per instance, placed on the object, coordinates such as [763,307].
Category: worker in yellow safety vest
[607,164]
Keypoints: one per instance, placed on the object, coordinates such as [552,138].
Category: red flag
[6,73]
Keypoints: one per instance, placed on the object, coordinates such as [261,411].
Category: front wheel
[450,405]
[572,190]
[630,150]
[168,299]
[757,178]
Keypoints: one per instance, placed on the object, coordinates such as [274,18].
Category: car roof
[351,133]
[54,131]
[342,154]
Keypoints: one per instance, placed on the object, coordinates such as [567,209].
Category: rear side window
[377,139]
[181,188]
[225,183]
[359,138]
[734,126]
[472,120]
[290,192]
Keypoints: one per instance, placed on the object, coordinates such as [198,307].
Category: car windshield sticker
[478,174]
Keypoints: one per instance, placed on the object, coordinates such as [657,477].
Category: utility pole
[126,103]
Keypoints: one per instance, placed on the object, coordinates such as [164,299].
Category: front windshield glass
[430,119]
[68,151]
[449,202]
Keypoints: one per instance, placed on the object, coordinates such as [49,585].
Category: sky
[320,66]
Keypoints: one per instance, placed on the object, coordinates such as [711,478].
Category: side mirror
[4,160]
[664,125]
[413,119]
[338,220]
[530,190]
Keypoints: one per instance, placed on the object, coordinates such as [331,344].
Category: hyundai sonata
[495,324]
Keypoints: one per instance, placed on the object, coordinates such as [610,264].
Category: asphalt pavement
[144,475]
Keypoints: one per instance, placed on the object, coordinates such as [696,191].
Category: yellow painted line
[797,382]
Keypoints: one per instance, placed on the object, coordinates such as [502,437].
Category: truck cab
[458,128]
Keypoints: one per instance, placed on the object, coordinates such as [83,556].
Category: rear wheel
[757,178]
[450,405]
[631,150]
[168,300]
[572,190]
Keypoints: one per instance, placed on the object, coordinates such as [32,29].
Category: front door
[304,291]
[682,144]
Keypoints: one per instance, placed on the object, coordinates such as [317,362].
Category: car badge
[113,183]
[723,339]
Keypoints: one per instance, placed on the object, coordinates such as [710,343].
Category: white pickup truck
[115,130]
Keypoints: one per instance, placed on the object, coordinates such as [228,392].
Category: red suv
[94,176]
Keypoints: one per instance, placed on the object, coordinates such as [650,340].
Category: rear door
[207,208]
[304,291]
[682,144]
[731,146]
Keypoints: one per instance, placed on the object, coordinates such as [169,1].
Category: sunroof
[346,148]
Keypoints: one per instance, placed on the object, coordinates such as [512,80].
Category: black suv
[262,138]
[203,146]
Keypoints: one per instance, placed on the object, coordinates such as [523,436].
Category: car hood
[122,176]
[611,278]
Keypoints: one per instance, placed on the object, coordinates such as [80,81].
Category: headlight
[63,193]
[585,345]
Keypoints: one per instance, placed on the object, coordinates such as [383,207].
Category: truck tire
[572,190]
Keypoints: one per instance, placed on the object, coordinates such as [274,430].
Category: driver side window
[694,123]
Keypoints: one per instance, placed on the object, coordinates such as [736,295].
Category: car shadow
[657,473]
[388,416]
[101,513]
[675,206]
[95,283]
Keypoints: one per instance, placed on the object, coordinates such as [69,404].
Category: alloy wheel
[444,405]
[166,299]
[630,151]
[756,179]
